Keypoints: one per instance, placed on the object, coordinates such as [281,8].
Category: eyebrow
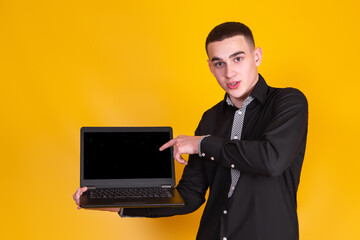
[231,56]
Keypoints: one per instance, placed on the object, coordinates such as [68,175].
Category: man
[248,149]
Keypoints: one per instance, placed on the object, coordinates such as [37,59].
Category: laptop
[123,167]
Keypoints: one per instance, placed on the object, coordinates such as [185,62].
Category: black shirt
[269,156]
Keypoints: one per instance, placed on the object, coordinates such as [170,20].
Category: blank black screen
[126,155]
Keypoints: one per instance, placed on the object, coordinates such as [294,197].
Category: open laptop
[123,167]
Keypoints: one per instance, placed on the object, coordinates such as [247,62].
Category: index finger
[168,144]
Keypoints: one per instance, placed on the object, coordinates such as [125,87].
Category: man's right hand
[76,198]
[77,195]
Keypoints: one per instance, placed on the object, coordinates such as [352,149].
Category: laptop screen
[126,155]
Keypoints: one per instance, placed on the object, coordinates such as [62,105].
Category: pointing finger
[168,144]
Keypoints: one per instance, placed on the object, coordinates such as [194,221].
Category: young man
[248,149]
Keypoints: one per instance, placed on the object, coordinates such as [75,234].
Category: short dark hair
[228,30]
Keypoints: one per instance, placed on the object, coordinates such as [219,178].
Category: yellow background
[67,64]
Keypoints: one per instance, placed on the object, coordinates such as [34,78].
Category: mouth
[233,85]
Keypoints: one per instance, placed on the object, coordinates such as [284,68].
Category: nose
[229,71]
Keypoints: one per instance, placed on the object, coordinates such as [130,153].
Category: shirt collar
[247,101]
[259,92]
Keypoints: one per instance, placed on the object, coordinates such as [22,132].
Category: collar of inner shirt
[230,103]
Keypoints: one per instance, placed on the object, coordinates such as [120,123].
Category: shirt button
[224,238]
[232,187]
[225,212]
[203,154]
[236,137]
[239,112]
[232,165]
[212,158]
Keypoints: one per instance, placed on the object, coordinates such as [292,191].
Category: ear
[210,66]
[258,56]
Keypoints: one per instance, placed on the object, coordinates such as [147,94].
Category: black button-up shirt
[269,155]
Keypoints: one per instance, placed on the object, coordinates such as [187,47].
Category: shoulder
[287,101]
[214,110]
[288,95]
[209,118]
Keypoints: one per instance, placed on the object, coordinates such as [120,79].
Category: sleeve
[282,141]
[192,188]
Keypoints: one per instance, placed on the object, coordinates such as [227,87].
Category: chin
[236,95]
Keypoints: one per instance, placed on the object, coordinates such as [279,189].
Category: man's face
[234,64]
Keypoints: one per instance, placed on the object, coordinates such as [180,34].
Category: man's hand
[77,195]
[183,145]
[76,198]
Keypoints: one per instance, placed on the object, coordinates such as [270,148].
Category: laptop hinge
[165,186]
[91,187]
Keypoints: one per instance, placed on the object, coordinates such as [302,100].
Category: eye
[238,59]
[219,64]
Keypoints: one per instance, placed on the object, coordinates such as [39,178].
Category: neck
[238,102]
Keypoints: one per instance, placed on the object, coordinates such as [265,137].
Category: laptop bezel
[124,183]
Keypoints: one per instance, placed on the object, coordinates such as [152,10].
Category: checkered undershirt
[236,135]
[236,131]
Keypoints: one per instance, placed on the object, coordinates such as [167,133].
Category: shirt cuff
[199,145]
[134,212]
[121,212]
[212,148]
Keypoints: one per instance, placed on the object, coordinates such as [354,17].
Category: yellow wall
[66,64]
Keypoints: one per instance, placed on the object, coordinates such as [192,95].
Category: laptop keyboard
[130,193]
